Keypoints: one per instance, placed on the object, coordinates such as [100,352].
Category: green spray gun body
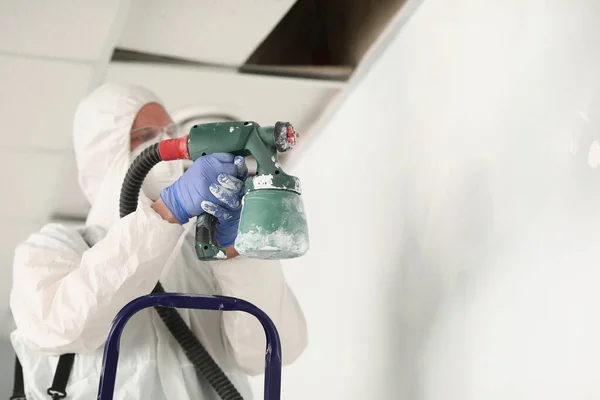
[272,223]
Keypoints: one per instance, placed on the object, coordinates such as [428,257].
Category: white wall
[450,257]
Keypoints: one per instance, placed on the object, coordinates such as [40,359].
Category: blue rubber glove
[213,184]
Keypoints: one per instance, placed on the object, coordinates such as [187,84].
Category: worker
[69,283]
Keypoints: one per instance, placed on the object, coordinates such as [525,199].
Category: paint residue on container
[263,182]
[266,182]
[280,244]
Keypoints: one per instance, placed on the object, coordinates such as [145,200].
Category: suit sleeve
[65,294]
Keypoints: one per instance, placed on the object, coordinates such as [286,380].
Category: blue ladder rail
[198,302]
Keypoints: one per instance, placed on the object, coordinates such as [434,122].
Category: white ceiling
[63,29]
[212,31]
[39,98]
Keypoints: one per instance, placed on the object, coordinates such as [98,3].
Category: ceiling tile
[223,32]
[70,201]
[59,28]
[38,101]
[29,181]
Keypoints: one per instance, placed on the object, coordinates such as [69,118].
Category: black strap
[18,392]
[58,390]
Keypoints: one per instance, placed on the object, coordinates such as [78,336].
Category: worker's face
[150,122]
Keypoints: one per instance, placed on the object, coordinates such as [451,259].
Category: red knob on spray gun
[174,149]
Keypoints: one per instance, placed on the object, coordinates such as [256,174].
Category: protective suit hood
[101,140]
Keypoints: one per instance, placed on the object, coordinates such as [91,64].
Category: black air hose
[204,364]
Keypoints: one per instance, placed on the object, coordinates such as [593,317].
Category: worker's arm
[65,294]
[262,283]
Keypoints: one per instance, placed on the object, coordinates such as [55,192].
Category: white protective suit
[66,294]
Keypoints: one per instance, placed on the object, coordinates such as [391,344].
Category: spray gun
[272,223]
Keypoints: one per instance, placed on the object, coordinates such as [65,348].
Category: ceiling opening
[323,39]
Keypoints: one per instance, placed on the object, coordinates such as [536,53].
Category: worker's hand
[228,209]
[214,184]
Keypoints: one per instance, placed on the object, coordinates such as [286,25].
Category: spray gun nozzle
[285,136]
